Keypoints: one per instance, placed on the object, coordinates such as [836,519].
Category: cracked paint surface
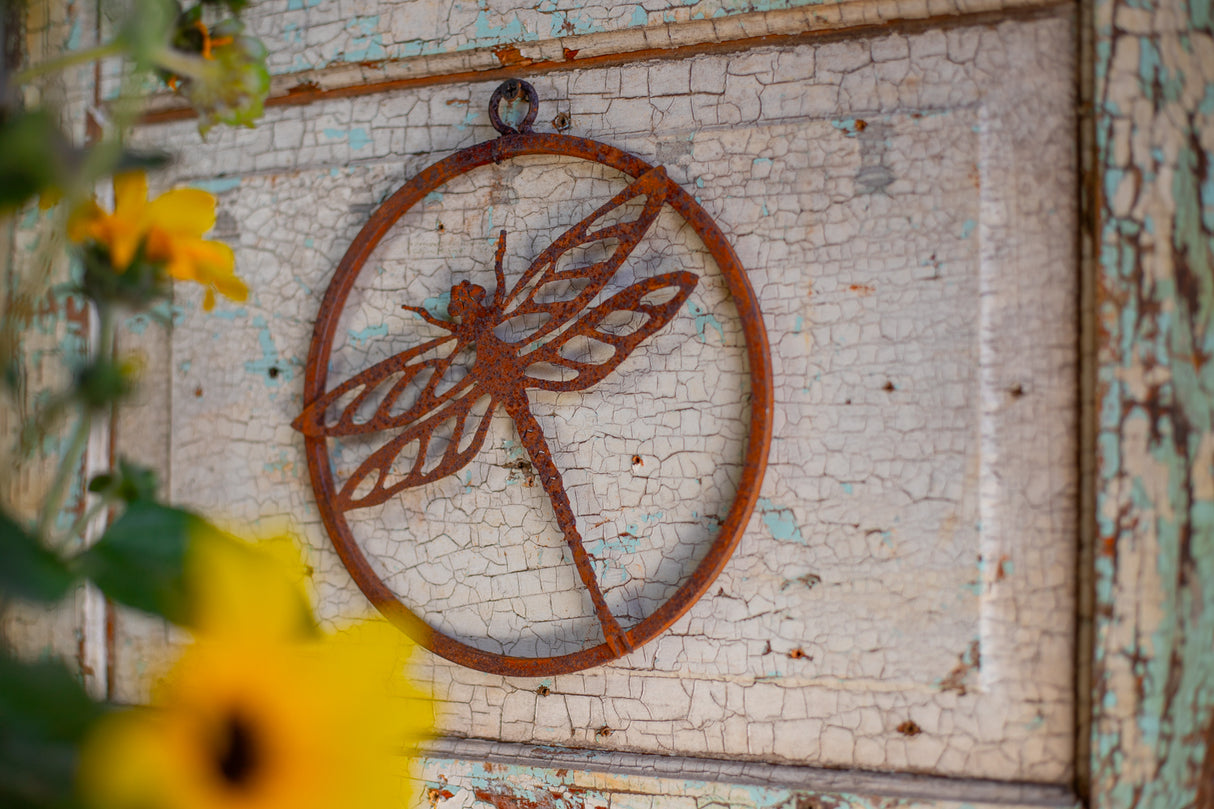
[638,484]
[1153,729]
[904,213]
[540,781]
[309,34]
[39,294]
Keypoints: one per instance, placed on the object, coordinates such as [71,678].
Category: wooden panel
[341,50]
[483,774]
[907,219]
[55,330]
[310,34]
[1153,734]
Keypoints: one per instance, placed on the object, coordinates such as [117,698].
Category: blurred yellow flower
[169,229]
[245,592]
[259,714]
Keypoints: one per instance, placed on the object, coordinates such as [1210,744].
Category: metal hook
[514,90]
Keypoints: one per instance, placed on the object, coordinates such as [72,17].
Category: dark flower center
[237,753]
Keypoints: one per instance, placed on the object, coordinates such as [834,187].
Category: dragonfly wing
[395,392]
[618,325]
[425,451]
[551,294]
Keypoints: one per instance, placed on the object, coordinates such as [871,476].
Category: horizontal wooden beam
[856,18]
[553,765]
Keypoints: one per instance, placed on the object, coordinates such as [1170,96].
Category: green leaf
[43,698]
[103,382]
[234,6]
[130,482]
[35,156]
[27,569]
[142,161]
[146,29]
[44,715]
[140,560]
[188,34]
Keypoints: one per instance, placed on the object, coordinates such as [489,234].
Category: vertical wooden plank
[53,328]
[1154,645]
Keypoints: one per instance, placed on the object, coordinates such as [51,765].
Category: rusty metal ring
[510,90]
[760,423]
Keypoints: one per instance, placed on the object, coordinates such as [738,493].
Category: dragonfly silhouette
[534,336]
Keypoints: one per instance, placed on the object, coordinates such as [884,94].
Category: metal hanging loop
[514,90]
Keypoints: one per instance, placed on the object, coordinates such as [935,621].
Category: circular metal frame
[758,356]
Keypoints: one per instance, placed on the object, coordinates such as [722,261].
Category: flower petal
[123,762]
[183,211]
[79,224]
[267,718]
[208,263]
[130,194]
[158,246]
[123,238]
[216,258]
[245,591]
[232,288]
[193,259]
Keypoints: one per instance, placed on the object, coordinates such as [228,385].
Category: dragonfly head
[466,301]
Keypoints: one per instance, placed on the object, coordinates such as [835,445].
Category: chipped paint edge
[718,781]
[857,18]
[1153,660]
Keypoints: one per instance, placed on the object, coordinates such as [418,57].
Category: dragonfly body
[502,370]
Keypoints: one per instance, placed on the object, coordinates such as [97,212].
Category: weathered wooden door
[904,621]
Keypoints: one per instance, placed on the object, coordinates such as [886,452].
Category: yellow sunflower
[261,715]
[244,592]
[169,229]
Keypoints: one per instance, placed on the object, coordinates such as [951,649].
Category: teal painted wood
[468,774]
[1153,700]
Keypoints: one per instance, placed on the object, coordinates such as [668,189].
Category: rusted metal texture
[436,412]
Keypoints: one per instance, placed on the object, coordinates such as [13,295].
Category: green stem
[69,464]
[81,523]
[185,65]
[105,338]
[68,60]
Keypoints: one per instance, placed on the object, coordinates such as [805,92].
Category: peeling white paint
[904,214]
